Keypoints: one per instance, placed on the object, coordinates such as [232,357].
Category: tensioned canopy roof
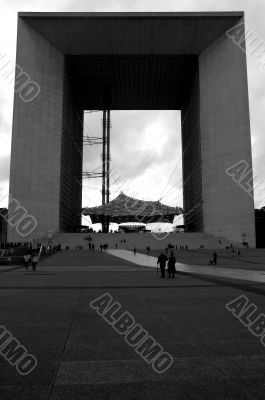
[128,209]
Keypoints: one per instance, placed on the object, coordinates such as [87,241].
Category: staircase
[141,240]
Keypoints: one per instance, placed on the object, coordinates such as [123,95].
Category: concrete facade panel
[36,136]
[225,139]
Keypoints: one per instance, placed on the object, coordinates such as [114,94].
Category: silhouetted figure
[101,247]
[161,261]
[116,245]
[27,260]
[89,245]
[34,261]
[148,250]
[171,265]
[93,247]
[215,258]
[134,250]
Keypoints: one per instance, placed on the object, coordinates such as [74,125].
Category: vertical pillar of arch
[37,134]
[191,156]
[71,158]
[216,135]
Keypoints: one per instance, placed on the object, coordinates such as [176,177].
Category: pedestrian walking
[26,260]
[215,258]
[34,261]
[134,250]
[171,269]
[161,261]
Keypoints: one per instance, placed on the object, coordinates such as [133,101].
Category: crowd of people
[170,247]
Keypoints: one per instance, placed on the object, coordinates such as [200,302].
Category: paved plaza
[80,356]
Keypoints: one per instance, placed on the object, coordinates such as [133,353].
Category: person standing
[34,261]
[134,250]
[171,269]
[215,258]
[161,261]
[27,260]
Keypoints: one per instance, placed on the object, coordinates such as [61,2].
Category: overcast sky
[145,146]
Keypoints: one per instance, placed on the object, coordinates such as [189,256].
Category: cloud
[4,170]
[145,147]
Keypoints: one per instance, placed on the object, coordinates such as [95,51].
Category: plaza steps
[141,240]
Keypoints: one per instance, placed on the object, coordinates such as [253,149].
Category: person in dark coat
[27,260]
[34,261]
[215,258]
[171,269]
[161,261]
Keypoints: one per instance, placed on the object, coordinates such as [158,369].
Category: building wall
[191,156]
[225,139]
[37,134]
[71,161]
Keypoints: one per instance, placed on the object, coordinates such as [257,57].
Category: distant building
[3,226]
